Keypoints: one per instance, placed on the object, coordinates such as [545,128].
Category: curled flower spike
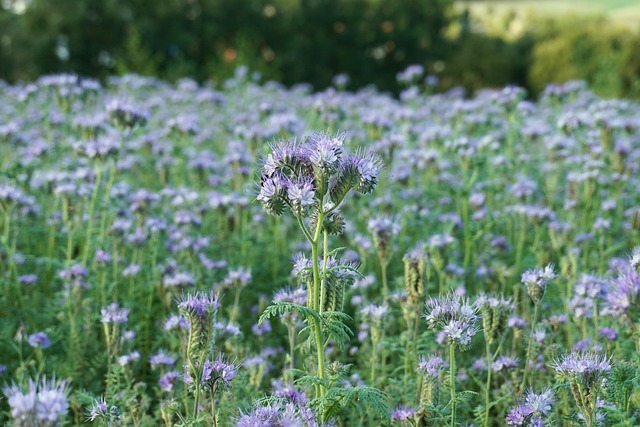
[585,373]
[430,366]
[218,373]
[302,175]
[454,318]
[533,410]
[586,367]
[199,304]
[495,312]
[536,281]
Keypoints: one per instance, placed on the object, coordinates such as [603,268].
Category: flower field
[252,255]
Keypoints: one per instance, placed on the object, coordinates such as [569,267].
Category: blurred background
[473,44]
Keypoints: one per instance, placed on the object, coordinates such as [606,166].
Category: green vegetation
[473,44]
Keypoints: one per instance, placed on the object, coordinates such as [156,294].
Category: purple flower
[536,281]
[532,410]
[39,340]
[609,333]
[277,414]
[175,321]
[325,150]
[587,290]
[261,329]
[178,279]
[454,317]
[375,312]
[504,363]
[215,374]
[516,322]
[301,194]
[199,305]
[75,272]
[430,366]
[161,358]
[402,414]
[238,277]
[290,173]
[623,294]
[131,270]
[44,403]
[28,279]
[579,365]
[127,359]
[125,114]
[518,416]
[290,393]
[167,380]
[102,256]
[100,410]
[114,314]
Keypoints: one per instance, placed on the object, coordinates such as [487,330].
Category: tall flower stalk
[311,179]
[495,312]
[454,318]
[536,281]
[585,373]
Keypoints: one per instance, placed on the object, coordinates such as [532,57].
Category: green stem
[213,407]
[385,287]
[467,233]
[323,281]
[92,207]
[452,382]
[317,304]
[197,401]
[320,356]
[528,356]
[292,348]
[107,194]
[488,387]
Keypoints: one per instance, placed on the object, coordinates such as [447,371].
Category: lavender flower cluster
[127,211]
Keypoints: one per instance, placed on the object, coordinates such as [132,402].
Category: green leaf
[278,308]
[334,327]
[337,398]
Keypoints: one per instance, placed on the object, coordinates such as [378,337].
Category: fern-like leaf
[335,328]
[278,308]
[337,398]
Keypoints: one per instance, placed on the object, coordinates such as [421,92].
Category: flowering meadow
[251,255]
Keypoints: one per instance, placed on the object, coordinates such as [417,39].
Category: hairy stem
[452,382]
[528,355]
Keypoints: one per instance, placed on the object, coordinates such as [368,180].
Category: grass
[507,16]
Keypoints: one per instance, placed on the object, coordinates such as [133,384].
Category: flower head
[113,313]
[44,403]
[199,305]
[302,175]
[39,340]
[585,373]
[532,410]
[430,366]
[536,281]
[100,410]
[584,367]
[622,297]
[454,317]
[495,312]
[125,114]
